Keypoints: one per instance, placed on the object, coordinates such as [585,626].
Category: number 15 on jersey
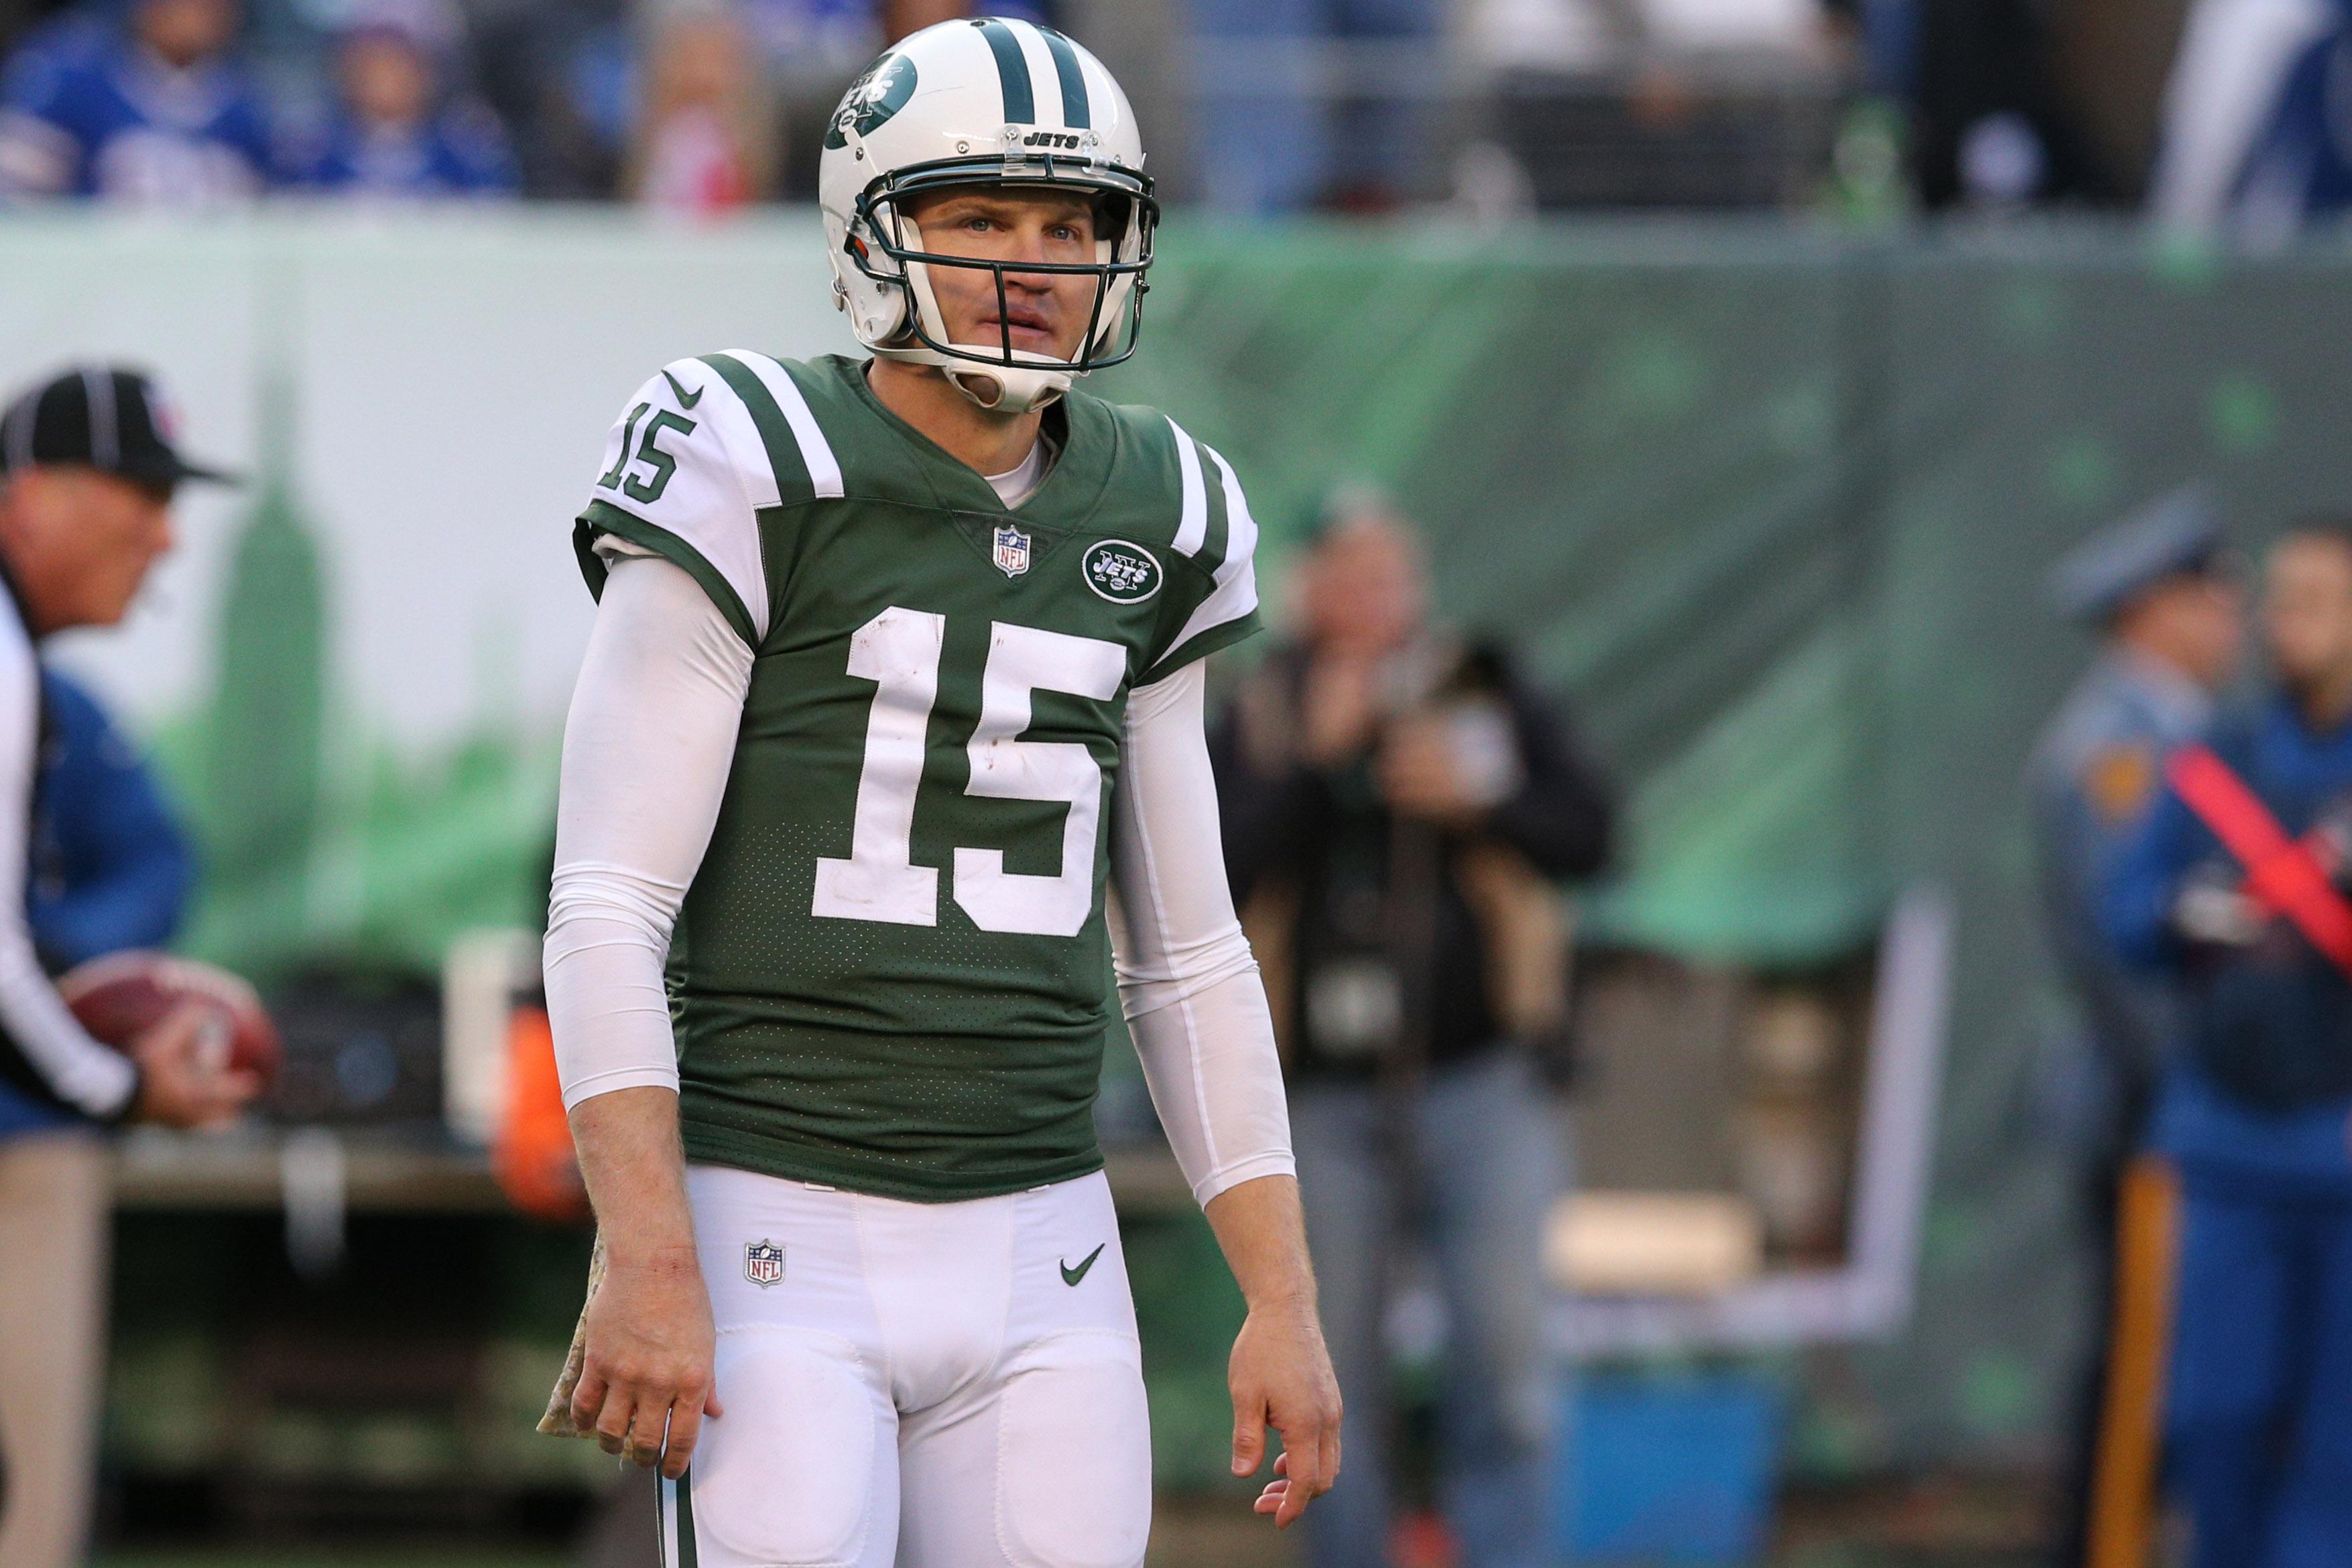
[898,651]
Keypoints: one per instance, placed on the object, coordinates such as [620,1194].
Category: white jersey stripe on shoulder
[824,469]
[1235,593]
[737,433]
[1192,524]
[1241,529]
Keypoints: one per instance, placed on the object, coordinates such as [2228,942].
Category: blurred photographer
[2237,887]
[1397,808]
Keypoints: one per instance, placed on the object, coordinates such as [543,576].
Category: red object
[2282,875]
[532,1156]
[120,997]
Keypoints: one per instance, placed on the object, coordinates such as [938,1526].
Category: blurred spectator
[560,74]
[19,19]
[155,111]
[2157,589]
[85,477]
[2300,168]
[1307,102]
[397,129]
[2256,1110]
[1396,805]
[111,865]
[1989,125]
[705,137]
[2229,75]
[109,872]
[808,49]
[812,47]
[902,17]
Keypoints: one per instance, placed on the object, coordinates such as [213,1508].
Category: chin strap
[1013,391]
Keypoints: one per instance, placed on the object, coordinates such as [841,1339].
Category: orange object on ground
[533,1156]
[2131,1427]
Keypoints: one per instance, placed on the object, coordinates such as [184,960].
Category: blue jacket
[2300,168]
[2262,1085]
[463,151]
[110,868]
[2094,777]
[86,111]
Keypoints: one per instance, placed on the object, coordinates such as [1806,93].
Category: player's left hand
[1281,1377]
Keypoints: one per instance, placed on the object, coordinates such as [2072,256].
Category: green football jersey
[891,973]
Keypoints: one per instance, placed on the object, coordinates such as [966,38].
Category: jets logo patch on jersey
[763,1263]
[1121,573]
[1012,552]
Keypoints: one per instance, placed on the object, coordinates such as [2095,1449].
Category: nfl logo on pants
[763,1263]
[1012,551]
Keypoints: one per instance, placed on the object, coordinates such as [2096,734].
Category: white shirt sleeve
[646,751]
[35,1022]
[1188,982]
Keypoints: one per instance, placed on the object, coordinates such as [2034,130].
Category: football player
[895,670]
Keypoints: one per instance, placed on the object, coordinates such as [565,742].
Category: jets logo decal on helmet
[990,102]
[872,98]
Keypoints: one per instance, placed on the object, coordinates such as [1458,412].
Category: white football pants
[929,1385]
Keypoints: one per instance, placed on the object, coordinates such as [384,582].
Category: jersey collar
[1088,439]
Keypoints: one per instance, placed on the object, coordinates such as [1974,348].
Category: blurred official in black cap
[88,469]
[2161,591]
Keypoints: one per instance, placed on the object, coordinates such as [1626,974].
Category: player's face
[1042,313]
[80,542]
[2307,609]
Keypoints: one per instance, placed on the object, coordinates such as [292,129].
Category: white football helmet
[986,101]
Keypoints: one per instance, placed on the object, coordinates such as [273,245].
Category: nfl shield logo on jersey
[1012,551]
[763,1263]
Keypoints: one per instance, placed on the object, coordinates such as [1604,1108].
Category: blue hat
[2178,534]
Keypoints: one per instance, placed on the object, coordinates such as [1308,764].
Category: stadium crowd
[2209,114]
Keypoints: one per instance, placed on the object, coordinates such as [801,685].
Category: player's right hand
[645,1379]
[184,1079]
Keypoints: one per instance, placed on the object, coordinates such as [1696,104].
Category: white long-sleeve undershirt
[1187,979]
[35,1023]
[647,752]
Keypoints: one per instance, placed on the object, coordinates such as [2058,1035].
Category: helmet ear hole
[1113,212]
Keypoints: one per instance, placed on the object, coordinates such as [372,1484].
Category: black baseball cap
[100,416]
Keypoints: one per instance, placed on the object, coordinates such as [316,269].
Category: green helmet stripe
[1012,70]
[1075,110]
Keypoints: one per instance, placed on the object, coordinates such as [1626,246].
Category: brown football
[122,996]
